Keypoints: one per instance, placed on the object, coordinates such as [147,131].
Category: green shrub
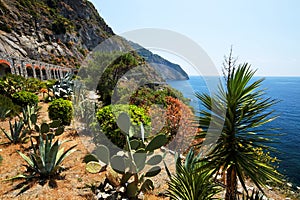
[24,98]
[11,83]
[61,109]
[7,107]
[107,116]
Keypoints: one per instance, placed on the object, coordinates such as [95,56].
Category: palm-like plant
[45,161]
[247,110]
[190,183]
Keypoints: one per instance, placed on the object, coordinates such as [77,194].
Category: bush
[7,107]
[61,109]
[12,83]
[24,98]
[107,116]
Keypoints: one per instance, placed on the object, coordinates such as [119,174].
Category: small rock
[289,184]
[121,189]
[108,187]
[269,187]
[250,188]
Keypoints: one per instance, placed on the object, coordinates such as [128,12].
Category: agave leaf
[42,147]
[61,158]
[7,135]
[50,160]
[39,165]
[26,158]
[20,176]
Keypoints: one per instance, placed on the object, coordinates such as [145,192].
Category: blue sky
[264,33]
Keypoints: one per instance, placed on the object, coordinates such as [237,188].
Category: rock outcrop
[60,32]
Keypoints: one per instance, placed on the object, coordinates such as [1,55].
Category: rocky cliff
[60,32]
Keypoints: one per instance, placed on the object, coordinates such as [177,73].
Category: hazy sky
[265,33]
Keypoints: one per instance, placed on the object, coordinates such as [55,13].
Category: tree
[246,111]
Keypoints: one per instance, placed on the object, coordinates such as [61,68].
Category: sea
[284,89]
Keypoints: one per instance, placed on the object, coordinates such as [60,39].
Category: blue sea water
[285,89]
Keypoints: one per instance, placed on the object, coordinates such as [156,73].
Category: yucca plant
[190,183]
[246,111]
[46,160]
[17,134]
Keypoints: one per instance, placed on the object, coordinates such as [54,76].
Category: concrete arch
[38,72]
[4,67]
[30,70]
[43,73]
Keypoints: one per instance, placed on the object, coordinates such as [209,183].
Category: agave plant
[17,134]
[189,183]
[64,87]
[46,160]
[29,115]
[4,112]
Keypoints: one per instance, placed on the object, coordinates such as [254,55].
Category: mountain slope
[60,32]
[168,69]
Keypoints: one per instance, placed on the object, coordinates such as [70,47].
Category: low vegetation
[61,109]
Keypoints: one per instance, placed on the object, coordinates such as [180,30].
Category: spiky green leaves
[46,161]
[190,181]
[247,110]
[17,134]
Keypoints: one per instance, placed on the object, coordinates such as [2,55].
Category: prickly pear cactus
[131,164]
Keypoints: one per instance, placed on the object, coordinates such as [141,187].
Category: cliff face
[60,32]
